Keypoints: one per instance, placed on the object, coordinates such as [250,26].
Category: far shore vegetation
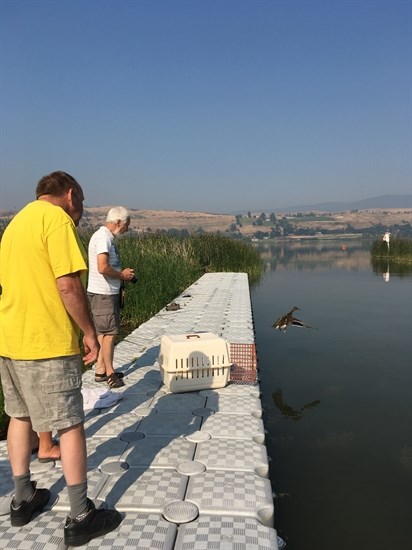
[165,266]
[361,224]
[311,224]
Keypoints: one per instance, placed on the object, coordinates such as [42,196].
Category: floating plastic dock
[188,471]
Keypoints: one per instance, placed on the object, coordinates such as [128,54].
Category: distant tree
[173,232]
[262,216]
[272,218]
[275,233]
[259,221]
[287,227]
[249,215]
[305,231]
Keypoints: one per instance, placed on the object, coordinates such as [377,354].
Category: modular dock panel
[187,471]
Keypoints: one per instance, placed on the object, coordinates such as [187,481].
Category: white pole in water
[386,238]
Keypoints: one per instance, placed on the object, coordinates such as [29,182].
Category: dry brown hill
[141,220]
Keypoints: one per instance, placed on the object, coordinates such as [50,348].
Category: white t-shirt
[102,242]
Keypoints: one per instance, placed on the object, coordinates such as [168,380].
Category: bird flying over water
[288,320]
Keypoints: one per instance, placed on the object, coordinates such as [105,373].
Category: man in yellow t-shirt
[43,307]
[38,325]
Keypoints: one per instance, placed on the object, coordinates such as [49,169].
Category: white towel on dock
[95,398]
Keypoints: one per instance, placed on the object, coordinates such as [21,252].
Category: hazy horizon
[333,206]
[207,106]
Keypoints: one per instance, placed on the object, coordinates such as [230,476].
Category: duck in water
[288,320]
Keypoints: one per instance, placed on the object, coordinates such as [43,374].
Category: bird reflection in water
[287,410]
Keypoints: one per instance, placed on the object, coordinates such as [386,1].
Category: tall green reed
[399,250]
[166,265]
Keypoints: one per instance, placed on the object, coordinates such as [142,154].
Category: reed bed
[166,265]
[398,250]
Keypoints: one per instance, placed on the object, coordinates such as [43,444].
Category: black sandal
[114,381]
[102,377]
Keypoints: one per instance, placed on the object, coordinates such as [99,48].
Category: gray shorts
[48,391]
[106,312]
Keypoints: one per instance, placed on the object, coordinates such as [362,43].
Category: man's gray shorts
[48,391]
[106,312]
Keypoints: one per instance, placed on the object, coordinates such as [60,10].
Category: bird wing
[298,323]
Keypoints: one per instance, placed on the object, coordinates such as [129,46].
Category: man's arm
[104,268]
[75,301]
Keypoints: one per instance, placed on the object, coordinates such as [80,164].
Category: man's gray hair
[117,213]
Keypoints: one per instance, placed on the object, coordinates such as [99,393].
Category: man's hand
[127,274]
[91,349]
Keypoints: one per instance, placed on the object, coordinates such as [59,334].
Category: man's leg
[19,445]
[27,499]
[34,441]
[85,522]
[104,367]
[48,450]
[74,464]
[106,353]
[74,456]
[100,365]
[106,316]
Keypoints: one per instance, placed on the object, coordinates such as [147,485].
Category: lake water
[337,397]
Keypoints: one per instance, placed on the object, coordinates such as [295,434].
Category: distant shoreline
[313,225]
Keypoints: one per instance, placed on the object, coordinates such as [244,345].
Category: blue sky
[207,105]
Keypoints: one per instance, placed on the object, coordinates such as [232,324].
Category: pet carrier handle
[192,336]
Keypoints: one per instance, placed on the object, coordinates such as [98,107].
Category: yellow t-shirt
[39,245]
